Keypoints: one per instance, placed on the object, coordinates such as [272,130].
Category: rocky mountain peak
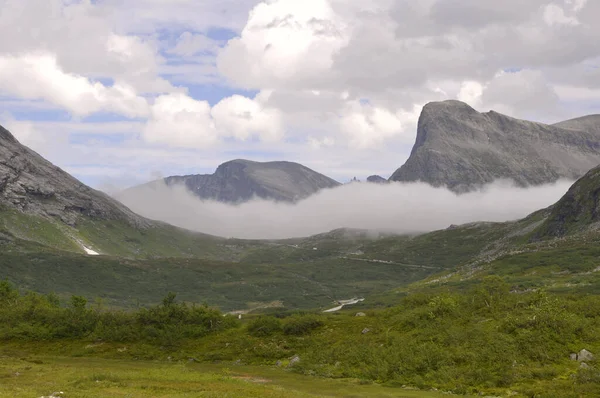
[241,180]
[376,179]
[6,135]
[463,149]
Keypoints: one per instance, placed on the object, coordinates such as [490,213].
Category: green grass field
[94,377]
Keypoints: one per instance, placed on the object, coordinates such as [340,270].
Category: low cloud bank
[397,207]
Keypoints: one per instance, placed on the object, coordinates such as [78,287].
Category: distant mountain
[377,179]
[462,149]
[590,123]
[240,180]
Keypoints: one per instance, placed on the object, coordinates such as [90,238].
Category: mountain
[577,211]
[376,179]
[31,184]
[241,180]
[44,208]
[460,148]
[589,123]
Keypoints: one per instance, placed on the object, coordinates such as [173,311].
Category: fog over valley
[397,207]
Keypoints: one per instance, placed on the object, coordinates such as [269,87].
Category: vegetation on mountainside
[485,339]
[230,286]
[116,238]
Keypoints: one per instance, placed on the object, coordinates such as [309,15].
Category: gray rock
[241,180]
[35,186]
[365,330]
[295,360]
[360,314]
[573,356]
[377,179]
[462,149]
[584,365]
[278,363]
[585,355]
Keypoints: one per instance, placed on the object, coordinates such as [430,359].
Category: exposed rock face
[462,149]
[33,185]
[377,179]
[241,180]
[590,123]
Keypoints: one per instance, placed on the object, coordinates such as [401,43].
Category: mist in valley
[395,207]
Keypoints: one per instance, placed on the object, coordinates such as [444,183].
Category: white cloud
[369,125]
[403,208]
[470,92]
[524,94]
[81,34]
[242,117]
[180,121]
[189,44]
[284,42]
[38,76]
[555,15]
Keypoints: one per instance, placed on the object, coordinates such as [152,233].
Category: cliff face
[33,185]
[462,149]
[241,180]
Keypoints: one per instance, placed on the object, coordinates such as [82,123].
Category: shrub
[264,326]
[301,325]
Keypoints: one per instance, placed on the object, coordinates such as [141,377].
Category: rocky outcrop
[33,185]
[240,180]
[376,179]
[462,149]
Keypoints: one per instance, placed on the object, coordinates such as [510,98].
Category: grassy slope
[118,238]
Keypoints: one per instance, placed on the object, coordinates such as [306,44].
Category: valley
[90,287]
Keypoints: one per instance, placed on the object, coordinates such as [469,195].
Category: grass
[92,377]
[231,286]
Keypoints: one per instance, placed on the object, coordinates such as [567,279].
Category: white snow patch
[90,251]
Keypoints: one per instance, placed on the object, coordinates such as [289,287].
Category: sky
[119,92]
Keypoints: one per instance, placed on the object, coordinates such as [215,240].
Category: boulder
[585,355]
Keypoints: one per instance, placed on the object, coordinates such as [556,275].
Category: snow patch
[90,251]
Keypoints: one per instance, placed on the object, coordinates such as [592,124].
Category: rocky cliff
[460,148]
[35,186]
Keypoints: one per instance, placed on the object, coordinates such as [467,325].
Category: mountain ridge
[240,180]
[463,149]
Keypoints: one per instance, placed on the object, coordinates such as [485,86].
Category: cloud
[82,36]
[524,94]
[189,44]
[369,125]
[181,121]
[284,42]
[402,208]
[38,76]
